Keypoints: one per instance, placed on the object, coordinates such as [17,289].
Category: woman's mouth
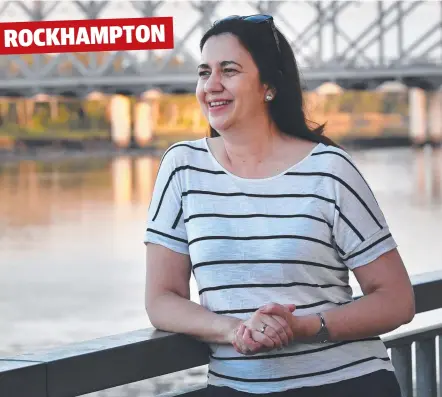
[217,106]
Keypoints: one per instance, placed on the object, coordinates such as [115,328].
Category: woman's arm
[367,248]
[388,303]
[168,303]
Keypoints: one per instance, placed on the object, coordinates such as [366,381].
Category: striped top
[291,238]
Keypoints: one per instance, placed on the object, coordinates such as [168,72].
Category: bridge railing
[103,363]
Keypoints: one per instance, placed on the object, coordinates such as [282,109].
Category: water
[71,251]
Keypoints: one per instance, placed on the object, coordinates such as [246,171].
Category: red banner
[91,35]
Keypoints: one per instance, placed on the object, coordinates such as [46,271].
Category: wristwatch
[323,335]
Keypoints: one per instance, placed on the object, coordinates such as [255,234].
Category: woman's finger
[273,329]
[284,311]
[238,342]
[289,307]
[252,345]
[236,347]
[248,344]
[269,334]
[249,341]
[240,331]
[274,335]
[288,330]
[245,349]
[257,343]
[281,328]
[264,337]
[269,337]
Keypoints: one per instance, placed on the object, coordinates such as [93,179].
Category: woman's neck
[252,146]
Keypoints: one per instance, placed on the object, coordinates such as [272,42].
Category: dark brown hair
[277,69]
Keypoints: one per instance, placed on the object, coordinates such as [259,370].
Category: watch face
[323,337]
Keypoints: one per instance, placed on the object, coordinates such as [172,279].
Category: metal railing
[99,364]
[423,340]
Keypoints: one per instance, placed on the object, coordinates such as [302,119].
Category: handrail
[99,364]
[406,338]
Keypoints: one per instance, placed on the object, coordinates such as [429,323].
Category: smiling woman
[270,217]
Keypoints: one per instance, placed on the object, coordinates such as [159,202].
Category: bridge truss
[352,43]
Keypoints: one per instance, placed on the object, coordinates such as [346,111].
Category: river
[71,230]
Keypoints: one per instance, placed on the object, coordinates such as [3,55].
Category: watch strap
[323,335]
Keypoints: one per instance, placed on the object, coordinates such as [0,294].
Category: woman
[270,217]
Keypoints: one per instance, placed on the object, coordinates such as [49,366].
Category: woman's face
[229,90]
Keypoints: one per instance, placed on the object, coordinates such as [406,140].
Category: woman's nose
[213,83]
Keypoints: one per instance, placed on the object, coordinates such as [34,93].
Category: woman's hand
[264,332]
[244,343]
[282,311]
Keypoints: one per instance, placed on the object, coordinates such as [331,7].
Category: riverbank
[54,151]
[55,155]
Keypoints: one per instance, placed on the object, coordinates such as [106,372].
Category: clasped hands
[270,327]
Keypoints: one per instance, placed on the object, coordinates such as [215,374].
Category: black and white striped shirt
[291,238]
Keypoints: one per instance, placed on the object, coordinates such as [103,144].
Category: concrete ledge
[22,378]
[408,337]
[99,364]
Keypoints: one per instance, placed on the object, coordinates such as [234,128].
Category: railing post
[401,359]
[426,382]
[440,364]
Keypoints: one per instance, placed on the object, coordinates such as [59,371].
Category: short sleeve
[165,223]
[360,230]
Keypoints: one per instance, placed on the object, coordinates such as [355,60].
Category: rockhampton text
[127,34]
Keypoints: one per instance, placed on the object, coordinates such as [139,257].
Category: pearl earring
[268,97]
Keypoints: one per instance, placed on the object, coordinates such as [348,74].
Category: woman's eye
[207,73]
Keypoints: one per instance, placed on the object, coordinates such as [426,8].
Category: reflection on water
[428,175]
[72,258]
[71,255]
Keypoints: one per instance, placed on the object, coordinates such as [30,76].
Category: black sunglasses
[258,18]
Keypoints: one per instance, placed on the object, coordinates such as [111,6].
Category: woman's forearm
[371,315]
[173,313]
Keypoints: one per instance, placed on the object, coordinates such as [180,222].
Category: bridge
[354,44]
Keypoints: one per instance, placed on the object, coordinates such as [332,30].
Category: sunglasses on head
[258,18]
